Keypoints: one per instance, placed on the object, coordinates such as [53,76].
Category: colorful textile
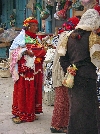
[90,20]
[82,96]
[29,20]
[24,98]
[94,46]
[27,94]
[60,115]
[32,35]
[38,83]
[13,66]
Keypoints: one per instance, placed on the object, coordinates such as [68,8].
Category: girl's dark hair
[25,28]
[78,33]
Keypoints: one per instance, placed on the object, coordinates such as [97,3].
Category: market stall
[6,38]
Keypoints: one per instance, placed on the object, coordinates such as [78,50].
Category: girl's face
[33,27]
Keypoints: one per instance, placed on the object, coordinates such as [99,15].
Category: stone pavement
[40,126]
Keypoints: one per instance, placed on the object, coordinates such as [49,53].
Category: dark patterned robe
[83,96]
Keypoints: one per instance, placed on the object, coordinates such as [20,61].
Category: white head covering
[89,21]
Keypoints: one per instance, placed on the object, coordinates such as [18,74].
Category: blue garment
[19,41]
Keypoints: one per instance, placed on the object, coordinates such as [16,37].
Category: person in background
[26,58]
[60,115]
[82,94]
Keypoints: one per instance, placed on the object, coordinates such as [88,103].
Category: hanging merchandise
[61,4]
[56,17]
[50,2]
[58,0]
[97,7]
[88,4]
[78,6]
[57,9]
[69,25]
[62,14]
[43,14]
[49,7]
[85,2]
[12,19]
[30,5]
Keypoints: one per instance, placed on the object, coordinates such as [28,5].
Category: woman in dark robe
[83,95]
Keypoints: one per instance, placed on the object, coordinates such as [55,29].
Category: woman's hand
[98,31]
[27,52]
[71,70]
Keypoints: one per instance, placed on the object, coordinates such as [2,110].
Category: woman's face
[98,31]
[33,27]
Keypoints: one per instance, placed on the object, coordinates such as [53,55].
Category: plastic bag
[68,80]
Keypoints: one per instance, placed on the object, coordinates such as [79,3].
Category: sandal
[14,117]
[38,112]
[17,120]
[59,130]
[36,118]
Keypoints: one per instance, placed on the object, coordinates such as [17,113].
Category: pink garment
[14,57]
[60,115]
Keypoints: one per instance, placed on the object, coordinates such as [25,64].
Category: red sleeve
[39,52]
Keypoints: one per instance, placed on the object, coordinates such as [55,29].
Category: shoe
[17,120]
[60,130]
[38,112]
[36,118]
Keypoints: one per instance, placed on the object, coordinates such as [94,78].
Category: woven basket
[1,30]
[48,96]
[5,73]
[5,44]
[4,69]
[44,16]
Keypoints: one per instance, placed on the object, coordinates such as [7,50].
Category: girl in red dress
[26,58]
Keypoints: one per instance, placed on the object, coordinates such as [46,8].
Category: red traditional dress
[27,94]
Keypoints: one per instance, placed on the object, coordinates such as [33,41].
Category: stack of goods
[48,94]
[6,36]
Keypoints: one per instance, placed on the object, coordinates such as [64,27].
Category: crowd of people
[76,109]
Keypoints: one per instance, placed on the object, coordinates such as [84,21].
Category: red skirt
[38,84]
[27,94]
[24,98]
[60,115]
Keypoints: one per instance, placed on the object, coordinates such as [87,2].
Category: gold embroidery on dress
[94,48]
